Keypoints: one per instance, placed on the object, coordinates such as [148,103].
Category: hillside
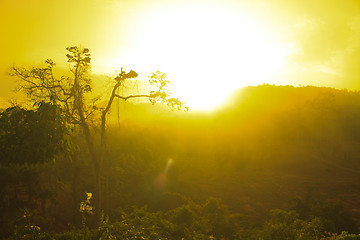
[270,144]
[270,147]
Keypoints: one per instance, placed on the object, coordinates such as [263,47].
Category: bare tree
[72,94]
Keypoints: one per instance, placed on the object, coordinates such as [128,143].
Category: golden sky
[208,48]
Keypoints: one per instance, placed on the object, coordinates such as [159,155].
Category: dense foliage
[32,136]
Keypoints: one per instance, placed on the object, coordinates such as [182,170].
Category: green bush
[286,225]
[343,236]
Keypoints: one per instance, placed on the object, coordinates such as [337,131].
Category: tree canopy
[32,136]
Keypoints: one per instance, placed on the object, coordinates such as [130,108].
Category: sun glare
[207,51]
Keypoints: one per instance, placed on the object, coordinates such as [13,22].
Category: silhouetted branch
[132,96]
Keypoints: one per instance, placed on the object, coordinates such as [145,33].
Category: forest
[274,163]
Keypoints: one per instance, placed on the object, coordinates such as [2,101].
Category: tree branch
[132,96]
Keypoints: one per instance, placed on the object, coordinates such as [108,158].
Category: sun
[207,50]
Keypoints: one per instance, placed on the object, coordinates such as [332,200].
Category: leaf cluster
[162,92]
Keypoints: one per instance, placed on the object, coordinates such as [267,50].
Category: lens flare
[168,164]
[161,180]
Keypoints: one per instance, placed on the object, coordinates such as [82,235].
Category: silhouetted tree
[72,93]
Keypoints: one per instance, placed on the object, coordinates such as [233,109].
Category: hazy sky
[296,42]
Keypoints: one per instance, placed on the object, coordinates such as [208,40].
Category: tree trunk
[97,169]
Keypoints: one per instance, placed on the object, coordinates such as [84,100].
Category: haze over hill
[270,144]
